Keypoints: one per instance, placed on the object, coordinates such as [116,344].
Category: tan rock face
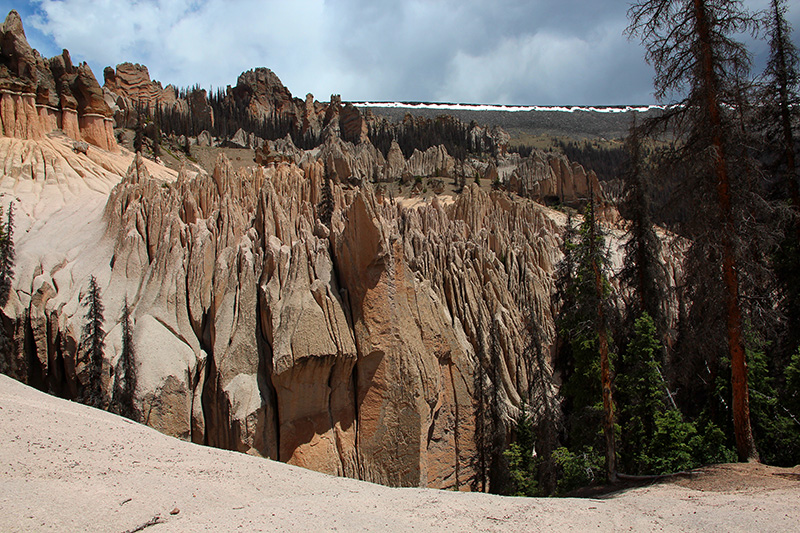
[370,348]
[552,177]
[18,58]
[128,86]
[38,96]
[312,121]
[352,125]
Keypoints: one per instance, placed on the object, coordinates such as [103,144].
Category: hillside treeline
[665,369]
[230,115]
[459,139]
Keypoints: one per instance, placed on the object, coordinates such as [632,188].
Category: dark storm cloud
[512,52]
[506,52]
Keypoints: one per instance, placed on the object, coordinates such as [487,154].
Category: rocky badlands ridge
[371,347]
[39,95]
[343,129]
[357,349]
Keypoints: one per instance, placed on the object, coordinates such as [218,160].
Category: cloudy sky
[526,52]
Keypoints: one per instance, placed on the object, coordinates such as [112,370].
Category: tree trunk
[745,445]
[608,401]
[605,364]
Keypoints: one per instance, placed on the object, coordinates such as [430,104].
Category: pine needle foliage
[93,344]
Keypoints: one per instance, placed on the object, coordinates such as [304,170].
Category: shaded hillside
[577,125]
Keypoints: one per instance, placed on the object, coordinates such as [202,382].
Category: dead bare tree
[691,46]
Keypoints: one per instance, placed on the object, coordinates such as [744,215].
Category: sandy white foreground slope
[67,467]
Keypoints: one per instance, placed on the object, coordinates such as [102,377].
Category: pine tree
[584,324]
[640,395]
[326,205]
[138,137]
[6,255]
[6,277]
[93,343]
[543,398]
[157,139]
[690,45]
[779,96]
[125,377]
[521,462]
[642,272]
[483,421]
[780,113]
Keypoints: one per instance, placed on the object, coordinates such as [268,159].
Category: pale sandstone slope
[67,467]
[59,197]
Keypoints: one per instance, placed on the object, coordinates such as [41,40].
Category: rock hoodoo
[355,350]
[38,95]
[385,344]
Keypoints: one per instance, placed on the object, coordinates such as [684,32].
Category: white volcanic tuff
[254,333]
[58,198]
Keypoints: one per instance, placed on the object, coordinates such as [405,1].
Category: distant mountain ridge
[447,106]
[576,122]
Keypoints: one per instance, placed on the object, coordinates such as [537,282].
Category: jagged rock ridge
[368,347]
[39,95]
[353,349]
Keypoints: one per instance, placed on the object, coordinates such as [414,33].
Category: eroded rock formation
[39,95]
[129,87]
[384,345]
[359,349]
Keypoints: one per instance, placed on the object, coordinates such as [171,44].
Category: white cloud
[552,67]
[505,51]
[186,42]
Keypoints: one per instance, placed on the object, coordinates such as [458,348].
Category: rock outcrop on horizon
[344,133]
[129,88]
[38,95]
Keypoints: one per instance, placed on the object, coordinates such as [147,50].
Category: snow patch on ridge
[508,108]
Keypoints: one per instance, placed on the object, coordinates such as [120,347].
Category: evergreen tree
[326,204]
[642,271]
[779,97]
[776,421]
[584,324]
[547,416]
[520,456]
[642,400]
[6,277]
[658,440]
[6,254]
[780,113]
[156,138]
[138,136]
[125,376]
[93,343]
[483,420]
[690,45]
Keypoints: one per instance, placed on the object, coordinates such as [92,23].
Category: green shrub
[521,462]
[577,469]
